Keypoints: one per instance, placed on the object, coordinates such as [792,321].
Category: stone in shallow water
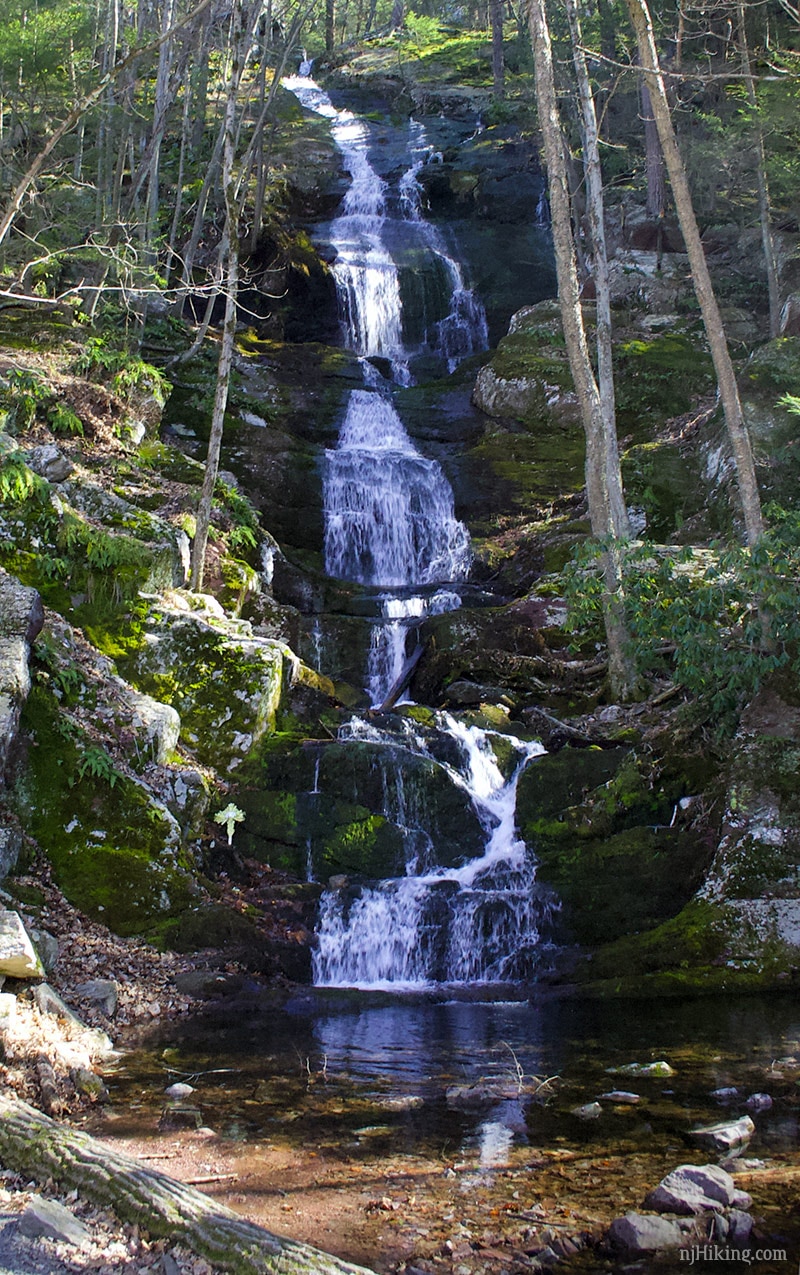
[691,1189]
[726,1135]
[621,1097]
[646,1233]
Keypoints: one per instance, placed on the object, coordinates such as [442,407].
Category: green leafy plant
[244,528]
[126,372]
[18,483]
[96,763]
[722,620]
[63,420]
[23,392]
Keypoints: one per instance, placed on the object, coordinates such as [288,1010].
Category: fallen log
[400,683]
[32,1144]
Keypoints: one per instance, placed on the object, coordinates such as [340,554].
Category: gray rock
[725,1095]
[49,1002]
[10,846]
[724,1136]
[693,1188]
[621,1097]
[740,1226]
[179,1090]
[759,1102]
[158,723]
[21,618]
[21,611]
[589,1111]
[48,461]
[89,1084]
[18,958]
[52,1220]
[101,992]
[180,1116]
[46,945]
[645,1233]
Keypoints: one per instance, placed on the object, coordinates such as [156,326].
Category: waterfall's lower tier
[480,919]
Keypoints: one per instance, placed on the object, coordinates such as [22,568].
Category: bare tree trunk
[172,239]
[764,204]
[601,502]
[704,291]
[33,1144]
[241,32]
[498,61]
[618,513]
[330,25]
[654,159]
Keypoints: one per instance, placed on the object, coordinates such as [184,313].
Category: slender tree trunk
[654,159]
[330,25]
[764,203]
[178,209]
[715,332]
[601,501]
[498,61]
[618,514]
[241,31]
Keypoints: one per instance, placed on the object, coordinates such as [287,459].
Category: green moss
[659,378]
[684,953]
[212,925]
[774,367]
[114,852]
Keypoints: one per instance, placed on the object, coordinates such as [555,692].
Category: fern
[18,483]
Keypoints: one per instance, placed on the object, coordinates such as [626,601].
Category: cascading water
[390,525]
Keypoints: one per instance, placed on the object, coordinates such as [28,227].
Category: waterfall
[390,525]
[475,923]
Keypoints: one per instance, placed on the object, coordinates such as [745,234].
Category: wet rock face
[345,808]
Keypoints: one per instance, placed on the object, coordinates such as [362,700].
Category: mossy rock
[666,484]
[225,683]
[759,853]
[367,808]
[212,925]
[115,850]
[622,884]
[773,369]
[659,377]
[556,782]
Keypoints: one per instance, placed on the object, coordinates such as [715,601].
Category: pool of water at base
[485,1082]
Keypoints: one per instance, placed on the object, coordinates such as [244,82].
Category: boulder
[48,461]
[639,1233]
[21,619]
[159,724]
[18,957]
[49,1219]
[101,992]
[224,681]
[10,846]
[692,1189]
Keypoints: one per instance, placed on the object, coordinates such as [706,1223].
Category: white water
[390,525]
[466,924]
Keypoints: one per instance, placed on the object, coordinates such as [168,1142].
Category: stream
[428,1105]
